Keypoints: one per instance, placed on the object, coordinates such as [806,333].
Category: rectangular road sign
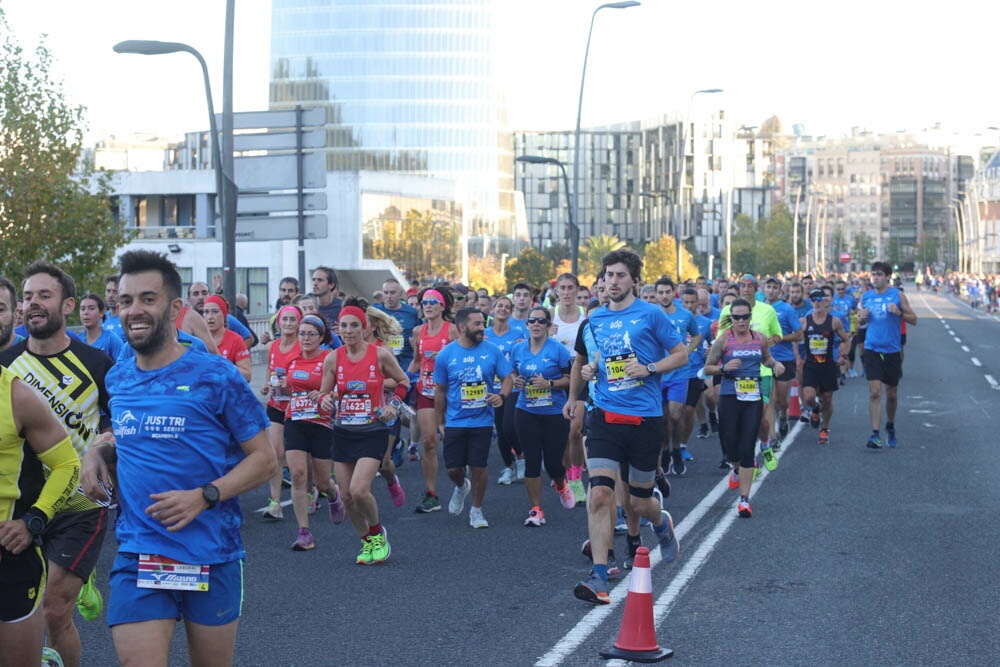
[252,120]
[277,141]
[279,172]
[279,228]
[278,202]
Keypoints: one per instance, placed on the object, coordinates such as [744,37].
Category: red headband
[355,312]
[220,302]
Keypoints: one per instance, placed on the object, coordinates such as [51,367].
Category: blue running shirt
[409,319]
[642,332]
[468,375]
[550,362]
[178,428]
[687,328]
[516,333]
[884,329]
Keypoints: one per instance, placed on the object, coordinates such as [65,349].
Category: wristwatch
[210,493]
[36,522]
[651,367]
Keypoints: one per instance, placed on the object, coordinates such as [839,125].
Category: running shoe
[579,491]
[756,470]
[677,466]
[506,477]
[620,525]
[337,510]
[397,454]
[670,548]
[804,417]
[566,495]
[476,518]
[273,511]
[51,657]
[874,442]
[89,601]
[814,418]
[767,454]
[286,478]
[457,503]
[725,465]
[380,546]
[744,509]
[631,547]
[585,550]
[702,431]
[824,436]
[304,542]
[536,518]
[891,435]
[594,590]
[519,470]
[313,498]
[428,504]
[662,484]
[734,479]
[658,496]
[365,556]
[776,444]
[685,454]
[413,451]
[713,422]
[397,494]
[613,569]
[783,427]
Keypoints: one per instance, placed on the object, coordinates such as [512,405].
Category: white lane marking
[922,412]
[965,348]
[992,381]
[957,339]
[976,362]
[595,618]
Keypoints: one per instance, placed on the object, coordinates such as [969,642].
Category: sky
[881,65]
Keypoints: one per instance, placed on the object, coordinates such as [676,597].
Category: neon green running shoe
[89,602]
[365,557]
[51,657]
[380,548]
[770,460]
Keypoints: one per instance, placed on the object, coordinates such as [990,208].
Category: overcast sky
[878,64]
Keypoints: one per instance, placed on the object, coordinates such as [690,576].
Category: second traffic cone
[637,636]
[794,409]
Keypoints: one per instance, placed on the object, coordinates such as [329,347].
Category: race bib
[747,389]
[168,574]
[614,368]
[395,343]
[817,346]
[303,407]
[427,384]
[537,398]
[355,410]
[473,395]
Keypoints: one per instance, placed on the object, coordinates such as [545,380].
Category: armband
[64,476]
[400,392]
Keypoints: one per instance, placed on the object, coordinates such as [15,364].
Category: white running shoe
[476,518]
[457,503]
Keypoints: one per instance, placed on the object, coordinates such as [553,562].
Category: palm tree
[594,249]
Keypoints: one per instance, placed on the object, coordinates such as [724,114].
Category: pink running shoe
[397,494]
[337,509]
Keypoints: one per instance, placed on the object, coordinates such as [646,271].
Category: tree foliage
[594,249]
[764,247]
[660,259]
[529,267]
[54,208]
[418,242]
[485,272]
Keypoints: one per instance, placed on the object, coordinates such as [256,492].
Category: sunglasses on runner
[537,320]
[740,318]
[430,302]
[816,299]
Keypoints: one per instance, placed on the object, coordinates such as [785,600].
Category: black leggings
[739,422]
[503,420]
[542,436]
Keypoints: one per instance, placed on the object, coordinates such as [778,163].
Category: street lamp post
[682,183]
[656,195]
[225,186]
[574,231]
[575,202]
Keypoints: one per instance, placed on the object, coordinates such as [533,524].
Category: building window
[251,281]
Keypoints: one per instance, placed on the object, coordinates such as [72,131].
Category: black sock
[745,499]
[889,426]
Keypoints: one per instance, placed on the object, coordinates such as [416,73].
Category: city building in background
[409,87]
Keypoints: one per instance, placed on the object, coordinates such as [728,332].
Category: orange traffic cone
[794,409]
[637,636]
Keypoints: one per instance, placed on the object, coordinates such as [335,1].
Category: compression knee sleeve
[640,491]
[602,481]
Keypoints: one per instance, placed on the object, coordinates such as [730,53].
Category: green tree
[744,239]
[927,251]
[594,249]
[556,253]
[53,208]
[529,267]
[660,259]
[864,249]
[774,237]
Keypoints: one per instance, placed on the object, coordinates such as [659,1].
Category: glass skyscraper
[409,86]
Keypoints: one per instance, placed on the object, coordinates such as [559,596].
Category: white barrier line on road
[992,381]
[965,348]
[976,362]
[595,617]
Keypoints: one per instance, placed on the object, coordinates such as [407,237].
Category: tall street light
[682,184]
[575,205]
[574,231]
[225,186]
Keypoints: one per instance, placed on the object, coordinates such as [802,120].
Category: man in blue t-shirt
[883,309]
[464,401]
[189,436]
[636,343]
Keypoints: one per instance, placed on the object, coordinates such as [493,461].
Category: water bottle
[402,408]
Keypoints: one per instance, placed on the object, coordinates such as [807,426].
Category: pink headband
[294,309]
[434,293]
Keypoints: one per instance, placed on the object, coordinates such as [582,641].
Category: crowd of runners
[146,420]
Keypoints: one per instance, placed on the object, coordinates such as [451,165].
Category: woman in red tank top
[353,377]
[428,339]
[280,353]
[307,428]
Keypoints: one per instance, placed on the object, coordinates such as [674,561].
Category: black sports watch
[36,522]
[651,367]
[210,492]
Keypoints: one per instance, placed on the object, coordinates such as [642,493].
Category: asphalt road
[853,556]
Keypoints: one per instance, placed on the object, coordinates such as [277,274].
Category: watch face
[211,493]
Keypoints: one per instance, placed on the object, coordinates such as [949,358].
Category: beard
[43,330]
[621,297]
[475,337]
[6,333]
[154,339]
